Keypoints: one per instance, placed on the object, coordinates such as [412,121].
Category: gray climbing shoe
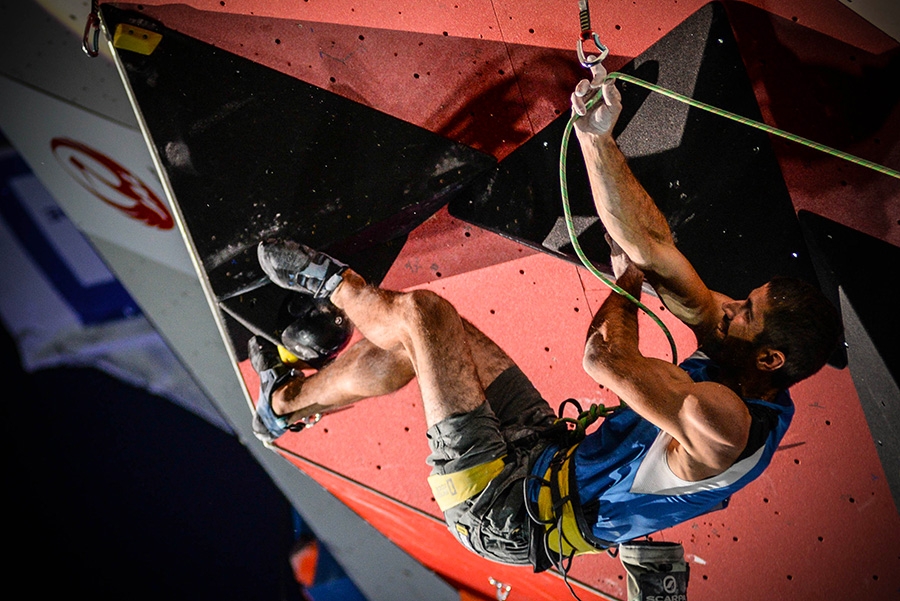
[297,267]
[267,426]
[272,373]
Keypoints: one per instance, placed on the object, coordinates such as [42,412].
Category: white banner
[100,172]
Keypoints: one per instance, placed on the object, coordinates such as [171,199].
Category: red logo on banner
[111,182]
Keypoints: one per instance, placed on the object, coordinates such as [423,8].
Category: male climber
[514,488]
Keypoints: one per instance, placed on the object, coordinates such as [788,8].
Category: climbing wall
[488,83]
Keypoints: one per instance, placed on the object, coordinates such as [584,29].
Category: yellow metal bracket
[136,39]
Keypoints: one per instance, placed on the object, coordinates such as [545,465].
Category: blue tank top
[624,480]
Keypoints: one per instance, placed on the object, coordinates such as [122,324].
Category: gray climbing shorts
[502,435]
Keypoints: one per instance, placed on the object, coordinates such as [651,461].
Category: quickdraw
[584,17]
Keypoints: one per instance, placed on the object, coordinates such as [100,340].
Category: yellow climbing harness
[558,507]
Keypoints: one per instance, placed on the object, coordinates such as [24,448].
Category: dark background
[116,493]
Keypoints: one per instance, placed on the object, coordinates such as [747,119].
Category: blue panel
[92,292]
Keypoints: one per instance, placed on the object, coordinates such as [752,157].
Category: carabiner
[584,19]
[589,61]
[93,23]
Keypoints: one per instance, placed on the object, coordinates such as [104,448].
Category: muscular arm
[632,219]
[708,422]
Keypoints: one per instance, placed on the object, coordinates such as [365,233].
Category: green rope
[570,225]
[756,124]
